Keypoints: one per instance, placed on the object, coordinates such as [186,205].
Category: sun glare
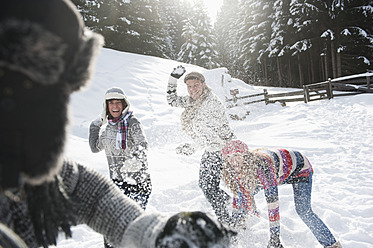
[213,6]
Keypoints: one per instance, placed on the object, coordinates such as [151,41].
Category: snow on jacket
[129,165]
[92,205]
[209,127]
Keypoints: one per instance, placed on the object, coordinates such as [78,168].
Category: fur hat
[234,146]
[194,75]
[48,42]
[115,93]
[45,54]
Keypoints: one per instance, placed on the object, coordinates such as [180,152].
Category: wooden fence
[345,86]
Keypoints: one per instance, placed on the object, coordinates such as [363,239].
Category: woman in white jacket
[204,120]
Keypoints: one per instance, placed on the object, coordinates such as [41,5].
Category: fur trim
[114,93]
[52,169]
[28,48]
[80,71]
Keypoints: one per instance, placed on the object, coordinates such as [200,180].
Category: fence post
[330,89]
[368,83]
[265,96]
[306,94]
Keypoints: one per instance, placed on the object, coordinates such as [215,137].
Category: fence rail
[311,92]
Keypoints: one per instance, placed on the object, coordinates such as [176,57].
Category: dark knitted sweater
[96,202]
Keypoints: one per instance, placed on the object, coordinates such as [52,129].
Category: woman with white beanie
[125,145]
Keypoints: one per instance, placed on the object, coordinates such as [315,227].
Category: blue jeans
[302,199]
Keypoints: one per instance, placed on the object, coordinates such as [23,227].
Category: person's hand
[238,219]
[274,242]
[178,72]
[98,121]
[194,229]
[185,149]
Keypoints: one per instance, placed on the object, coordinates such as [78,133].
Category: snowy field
[336,135]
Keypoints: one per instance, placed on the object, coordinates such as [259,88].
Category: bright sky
[212,7]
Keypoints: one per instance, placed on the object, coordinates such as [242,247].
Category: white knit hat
[114,93]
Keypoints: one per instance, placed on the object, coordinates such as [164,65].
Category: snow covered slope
[336,135]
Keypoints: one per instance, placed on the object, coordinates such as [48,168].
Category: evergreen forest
[282,43]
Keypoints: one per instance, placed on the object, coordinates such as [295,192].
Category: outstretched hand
[178,72]
[194,229]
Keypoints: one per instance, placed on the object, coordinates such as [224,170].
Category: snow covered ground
[336,135]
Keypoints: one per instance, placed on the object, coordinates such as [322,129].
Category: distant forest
[285,43]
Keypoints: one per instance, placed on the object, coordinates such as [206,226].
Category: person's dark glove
[178,72]
[274,242]
[185,149]
[194,229]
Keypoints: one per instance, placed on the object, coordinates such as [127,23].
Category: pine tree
[146,34]
[276,42]
[341,30]
[173,14]
[199,47]
[188,50]
[279,48]
[255,30]
[355,48]
[227,35]
[107,17]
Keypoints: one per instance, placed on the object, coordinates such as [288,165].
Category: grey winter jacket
[128,165]
[209,125]
[93,198]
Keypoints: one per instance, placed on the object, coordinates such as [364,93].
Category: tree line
[286,43]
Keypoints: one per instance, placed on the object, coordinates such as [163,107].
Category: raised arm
[172,98]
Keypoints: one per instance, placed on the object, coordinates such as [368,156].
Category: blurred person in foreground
[46,53]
